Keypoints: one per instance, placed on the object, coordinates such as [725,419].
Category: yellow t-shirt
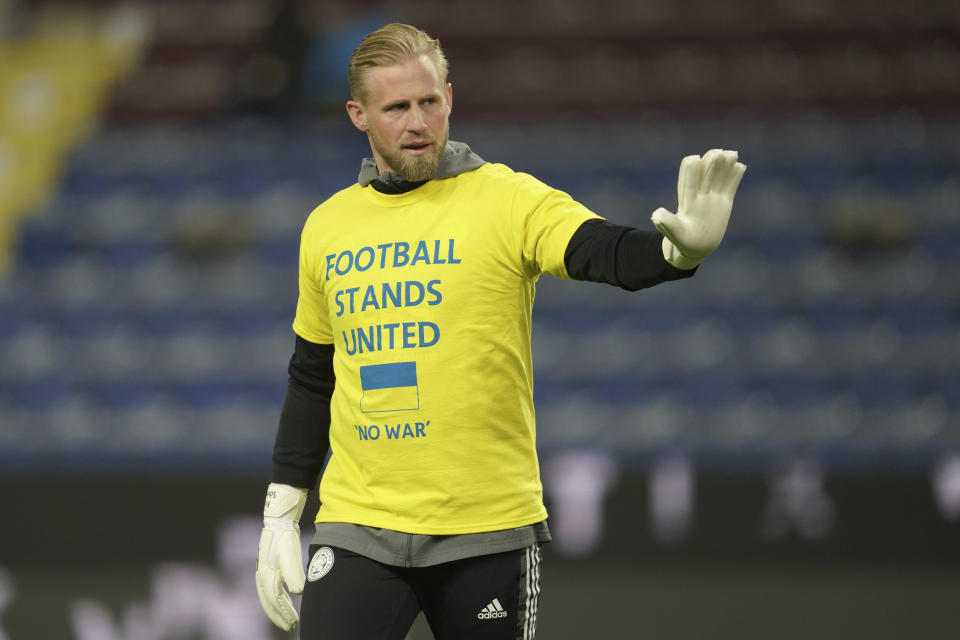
[427,297]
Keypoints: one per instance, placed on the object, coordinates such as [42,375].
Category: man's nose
[416,120]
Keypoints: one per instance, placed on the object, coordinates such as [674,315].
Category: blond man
[412,366]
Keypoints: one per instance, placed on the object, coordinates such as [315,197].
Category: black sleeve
[629,258]
[303,437]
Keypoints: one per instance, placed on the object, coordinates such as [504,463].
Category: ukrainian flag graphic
[389,387]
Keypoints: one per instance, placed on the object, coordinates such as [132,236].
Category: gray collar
[457,158]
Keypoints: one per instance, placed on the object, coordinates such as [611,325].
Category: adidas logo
[491,611]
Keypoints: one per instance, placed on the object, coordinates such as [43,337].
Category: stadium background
[766,450]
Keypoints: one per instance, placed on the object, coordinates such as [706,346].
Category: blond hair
[391,44]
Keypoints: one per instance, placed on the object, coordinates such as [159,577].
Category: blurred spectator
[298,62]
[9,18]
[578,483]
[339,29]
[268,81]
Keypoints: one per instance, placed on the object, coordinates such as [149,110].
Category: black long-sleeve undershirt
[303,437]
[598,251]
[632,259]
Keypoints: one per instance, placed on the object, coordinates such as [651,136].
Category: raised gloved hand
[279,557]
[705,193]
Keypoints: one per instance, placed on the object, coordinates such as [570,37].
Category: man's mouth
[416,146]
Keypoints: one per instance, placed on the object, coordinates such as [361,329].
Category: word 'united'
[390,335]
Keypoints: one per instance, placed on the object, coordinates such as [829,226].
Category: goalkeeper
[412,365]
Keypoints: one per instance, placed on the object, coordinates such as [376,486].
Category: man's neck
[392,184]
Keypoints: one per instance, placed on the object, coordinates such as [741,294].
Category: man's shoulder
[493,170]
[501,173]
[522,185]
[341,196]
[334,203]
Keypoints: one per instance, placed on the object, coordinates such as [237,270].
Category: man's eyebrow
[395,103]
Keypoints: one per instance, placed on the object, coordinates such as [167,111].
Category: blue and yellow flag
[389,387]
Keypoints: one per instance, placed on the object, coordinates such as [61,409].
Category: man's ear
[449,90]
[355,111]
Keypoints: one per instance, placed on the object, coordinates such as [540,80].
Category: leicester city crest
[320,564]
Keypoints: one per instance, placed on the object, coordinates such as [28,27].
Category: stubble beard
[412,168]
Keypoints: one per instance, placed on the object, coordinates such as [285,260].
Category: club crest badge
[320,564]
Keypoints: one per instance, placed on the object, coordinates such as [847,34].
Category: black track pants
[351,597]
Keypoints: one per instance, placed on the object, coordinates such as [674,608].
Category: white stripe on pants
[530,593]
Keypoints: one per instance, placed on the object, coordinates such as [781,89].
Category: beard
[411,168]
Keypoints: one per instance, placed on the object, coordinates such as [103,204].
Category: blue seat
[792,390]
[813,177]
[878,389]
[781,246]
[116,395]
[90,182]
[621,390]
[550,391]
[83,322]
[161,323]
[39,394]
[915,318]
[13,319]
[131,254]
[40,247]
[250,321]
[746,321]
[709,390]
[948,386]
[831,317]
[201,395]
[282,251]
[941,243]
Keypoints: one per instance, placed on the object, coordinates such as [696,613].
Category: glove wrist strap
[284,502]
[672,255]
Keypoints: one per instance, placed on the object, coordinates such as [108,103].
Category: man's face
[406,115]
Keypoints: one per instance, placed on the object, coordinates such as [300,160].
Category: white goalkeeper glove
[705,193]
[279,557]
